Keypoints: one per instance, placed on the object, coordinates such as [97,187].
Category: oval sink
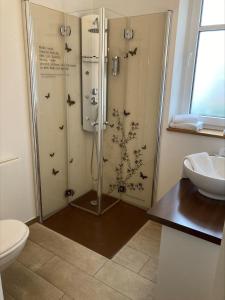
[212,187]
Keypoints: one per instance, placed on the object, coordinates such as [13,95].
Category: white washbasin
[212,187]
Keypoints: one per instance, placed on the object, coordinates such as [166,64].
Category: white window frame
[193,32]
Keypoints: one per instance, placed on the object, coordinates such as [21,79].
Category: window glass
[209,83]
[213,12]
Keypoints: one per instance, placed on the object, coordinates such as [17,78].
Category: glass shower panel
[51,108]
[134,102]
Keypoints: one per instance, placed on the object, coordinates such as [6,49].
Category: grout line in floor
[122,294]
[144,266]
[101,267]
[131,271]
[43,278]
[69,262]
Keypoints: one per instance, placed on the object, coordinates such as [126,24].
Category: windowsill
[203,132]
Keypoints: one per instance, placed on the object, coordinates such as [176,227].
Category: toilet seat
[12,235]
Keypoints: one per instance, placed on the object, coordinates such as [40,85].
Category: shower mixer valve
[94,100]
[94,93]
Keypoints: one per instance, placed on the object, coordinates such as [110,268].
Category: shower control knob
[93,124]
[94,101]
[94,92]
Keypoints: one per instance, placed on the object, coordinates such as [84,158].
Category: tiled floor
[53,267]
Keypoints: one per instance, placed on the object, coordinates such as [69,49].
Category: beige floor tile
[145,245]
[131,258]
[33,256]
[127,282]
[151,230]
[150,270]
[23,284]
[75,283]
[70,251]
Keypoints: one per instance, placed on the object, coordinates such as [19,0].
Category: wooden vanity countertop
[185,209]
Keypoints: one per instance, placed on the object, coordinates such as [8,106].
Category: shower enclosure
[97,86]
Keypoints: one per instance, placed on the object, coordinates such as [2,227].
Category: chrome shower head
[94,30]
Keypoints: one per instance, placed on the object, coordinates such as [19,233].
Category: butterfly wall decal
[70,101]
[71,160]
[126,113]
[61,127]
[52,154]
[144,147]
[133,52]
[105,159]
[55,172]
[67,48]
[143,176]
[47,96]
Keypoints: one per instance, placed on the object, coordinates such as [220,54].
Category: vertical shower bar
[32,92]
[161,104]
[101,89]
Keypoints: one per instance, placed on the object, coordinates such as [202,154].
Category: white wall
[134,7]
[66,5]
[16,178]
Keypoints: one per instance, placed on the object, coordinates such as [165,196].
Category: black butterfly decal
[126,113]
[54,172]
[143,176]
[144,147]
[87,72]
[71,161]
[47,96]
[67,48]
[126,55]
[133,52]
[105,159]
[111,125]
[52,154]
[61,127]
[70,101]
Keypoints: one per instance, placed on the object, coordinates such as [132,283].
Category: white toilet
[13,237]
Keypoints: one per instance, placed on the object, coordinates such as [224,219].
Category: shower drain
[94,202]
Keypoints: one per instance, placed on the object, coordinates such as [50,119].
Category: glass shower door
[137,42]
[86,120]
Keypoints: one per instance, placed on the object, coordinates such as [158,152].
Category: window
[207,97]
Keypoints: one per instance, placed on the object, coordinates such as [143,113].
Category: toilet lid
[11,233]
